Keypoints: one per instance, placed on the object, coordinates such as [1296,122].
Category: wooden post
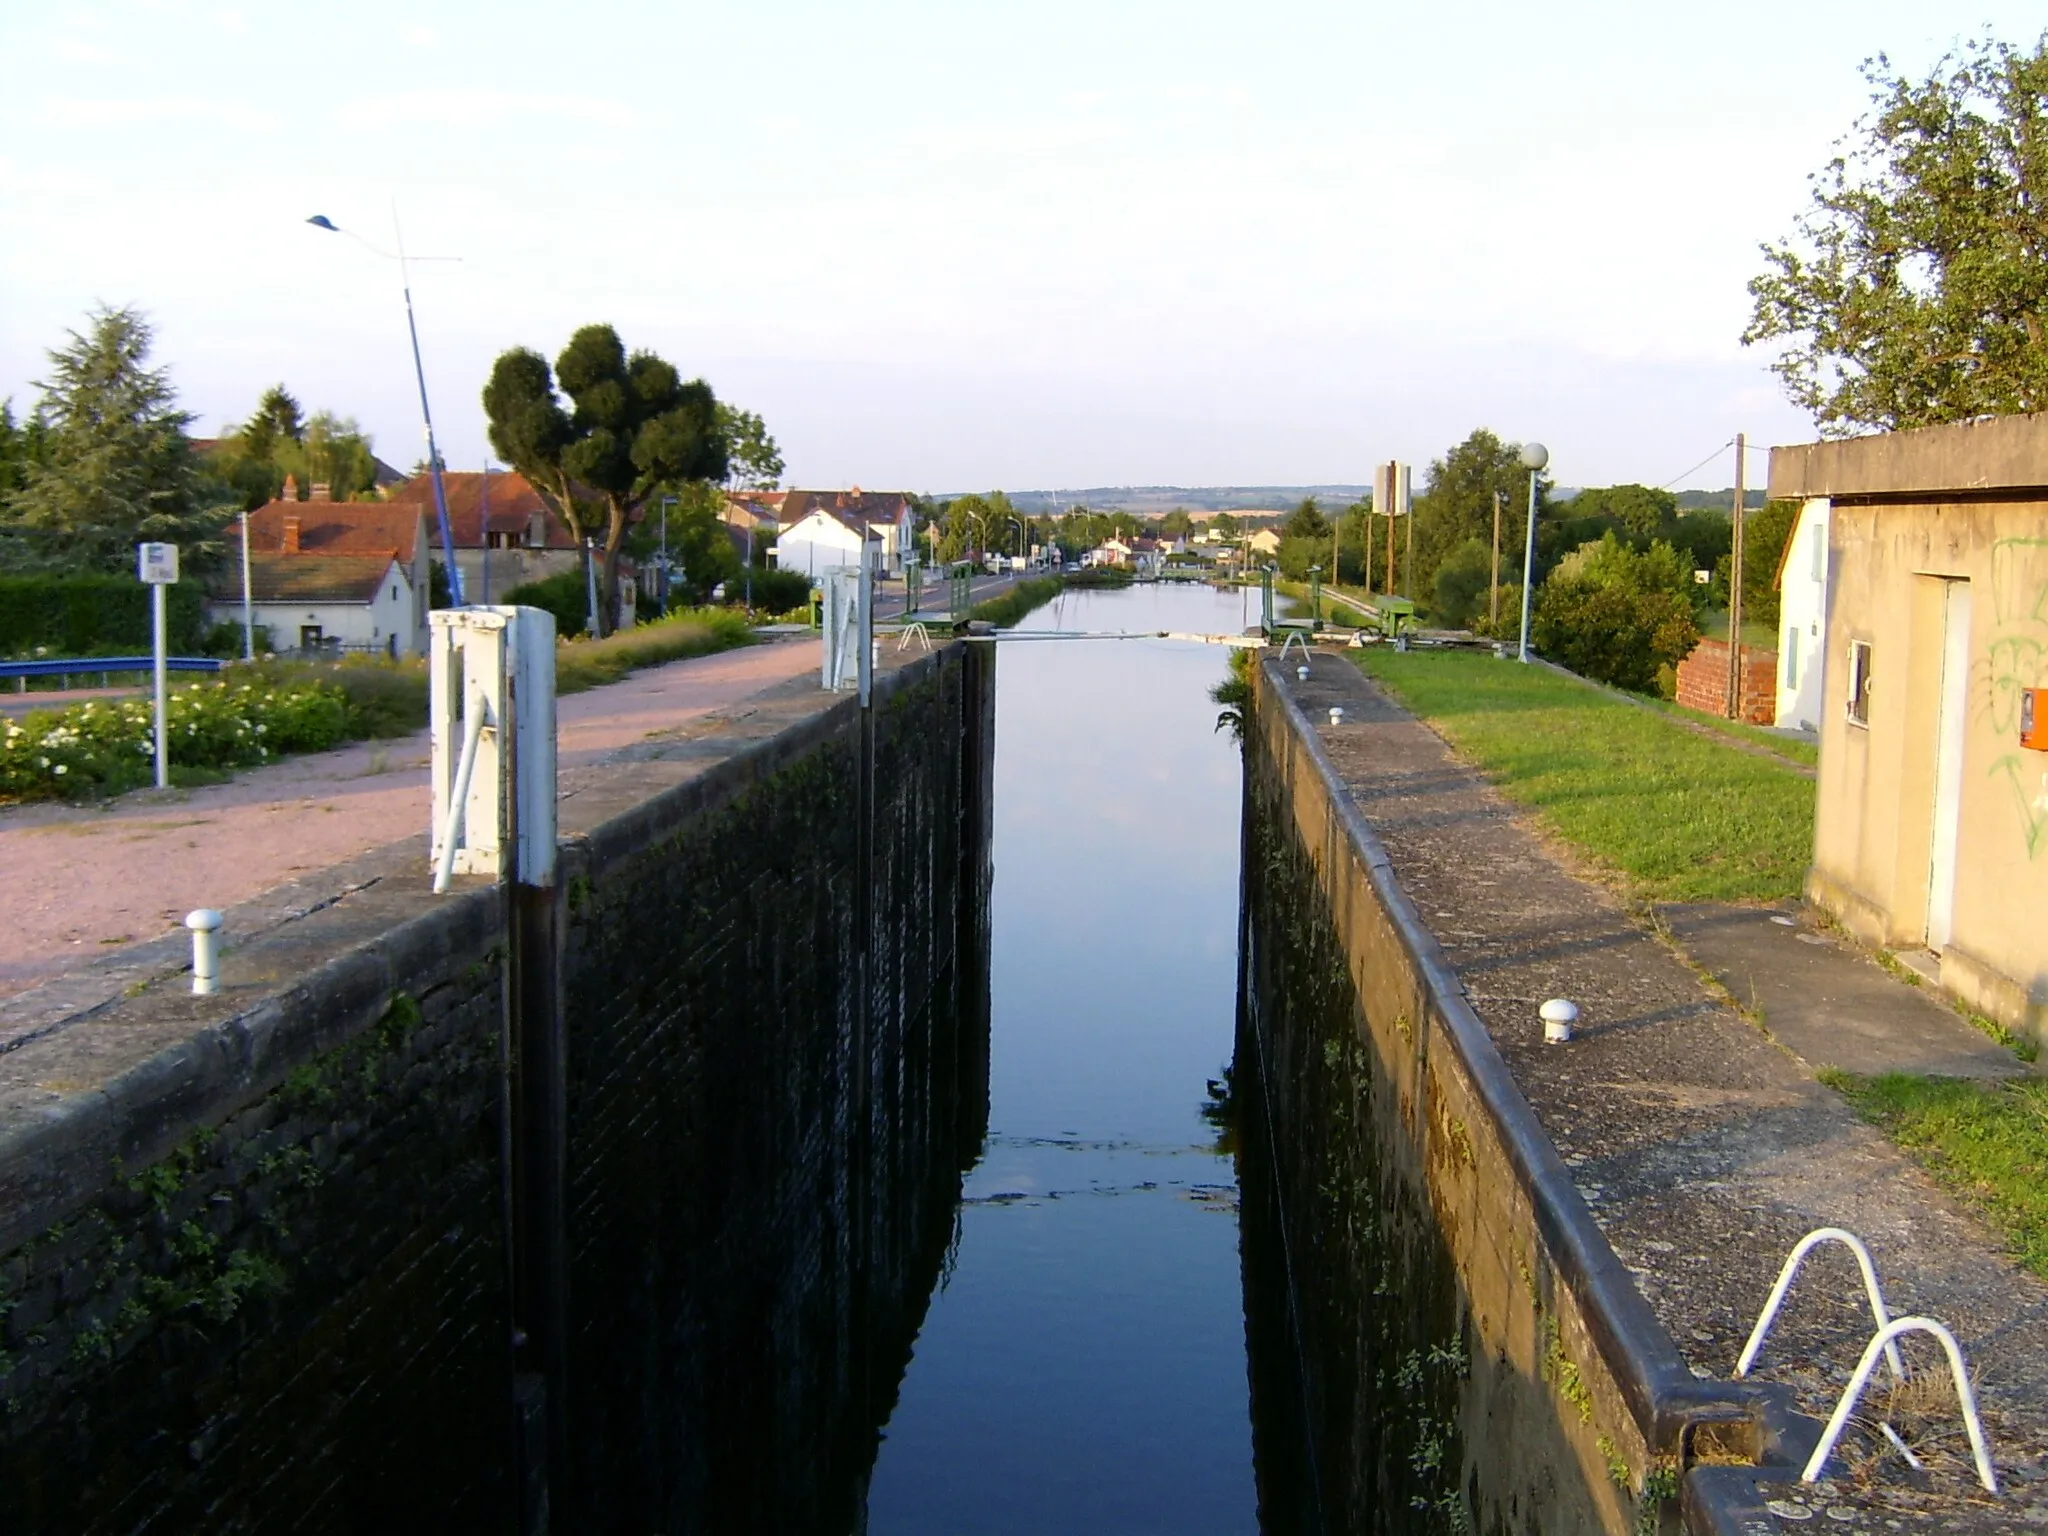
[1735,593]
[1493,588]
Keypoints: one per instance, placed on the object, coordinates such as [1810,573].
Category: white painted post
[491,682]
[248,599]
[157,565]
[205,926]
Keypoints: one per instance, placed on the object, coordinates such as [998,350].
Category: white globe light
[1534,456]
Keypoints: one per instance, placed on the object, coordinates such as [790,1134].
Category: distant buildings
[817,530]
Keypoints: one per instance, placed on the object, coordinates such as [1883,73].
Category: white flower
[60,770]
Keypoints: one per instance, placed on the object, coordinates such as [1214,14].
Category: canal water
[1082,1367]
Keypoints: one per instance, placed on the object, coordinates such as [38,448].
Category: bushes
[1006,608]
[775,591]
[687,632]
[94,615]
[1461,581]
[1611,632]
[566,595]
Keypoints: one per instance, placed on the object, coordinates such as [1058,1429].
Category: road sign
[157,564]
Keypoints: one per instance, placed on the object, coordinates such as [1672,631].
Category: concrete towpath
[1706,1147]
[82,881]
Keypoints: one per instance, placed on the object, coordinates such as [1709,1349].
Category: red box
[2034,718]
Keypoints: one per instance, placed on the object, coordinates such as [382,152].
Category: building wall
[254,1247]
[1703,682]
[801,549]
[367,626]
[510,568]
[1874,820]
[1802,618]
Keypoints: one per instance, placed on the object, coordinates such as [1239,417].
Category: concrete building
[1931,821]
[1802,583]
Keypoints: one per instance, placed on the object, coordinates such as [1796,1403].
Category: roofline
[2002,457]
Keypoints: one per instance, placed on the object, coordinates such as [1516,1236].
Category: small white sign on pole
[157,566]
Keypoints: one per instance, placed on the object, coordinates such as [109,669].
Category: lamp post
[321,221]
[1534,457]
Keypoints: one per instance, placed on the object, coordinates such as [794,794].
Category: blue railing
[68,667]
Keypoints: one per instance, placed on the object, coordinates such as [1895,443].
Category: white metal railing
[1880,1342]
[1786,1275]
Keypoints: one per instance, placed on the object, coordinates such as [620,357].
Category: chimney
[322,491]
[291,533]
[290,491]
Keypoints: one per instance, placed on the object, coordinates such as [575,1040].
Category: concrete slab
[1828,1002]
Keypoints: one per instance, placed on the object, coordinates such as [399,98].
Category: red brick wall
[1703,682]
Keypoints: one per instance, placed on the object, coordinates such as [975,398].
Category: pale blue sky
[943,246]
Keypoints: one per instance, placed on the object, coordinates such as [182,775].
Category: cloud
[86,112]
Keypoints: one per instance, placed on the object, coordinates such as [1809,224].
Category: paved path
[81,879]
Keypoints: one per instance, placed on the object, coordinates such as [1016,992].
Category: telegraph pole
[1735,593]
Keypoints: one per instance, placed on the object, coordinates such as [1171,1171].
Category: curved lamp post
[1534,457]
[321,221]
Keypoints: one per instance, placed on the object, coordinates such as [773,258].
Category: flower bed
[104,747]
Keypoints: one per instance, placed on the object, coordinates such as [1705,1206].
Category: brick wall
[253,1275]
[1703,682]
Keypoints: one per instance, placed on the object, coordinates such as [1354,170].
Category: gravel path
[81,879]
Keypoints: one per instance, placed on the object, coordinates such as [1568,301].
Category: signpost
[157,566]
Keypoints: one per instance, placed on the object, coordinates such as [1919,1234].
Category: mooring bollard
[1336,714]
[1302,672]
[205,926]
[1559,1015]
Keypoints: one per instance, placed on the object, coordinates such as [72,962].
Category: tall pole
[1534,457]
[248,603]
[1408,572]
[1390,541]
[1735,592]
[1493,591]
[433,453]
[163,723]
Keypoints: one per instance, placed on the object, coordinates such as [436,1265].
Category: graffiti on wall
[2017,660]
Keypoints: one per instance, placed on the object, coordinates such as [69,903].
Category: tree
[1306,521]
[1636,508]
[1915,291]
[1764,534]
[755,463]
[632,427]
[1456,504]
[278,420]
[1176,524]
[1227,526]
[1460,583]
[1616,613]
[116,467]
[23,445]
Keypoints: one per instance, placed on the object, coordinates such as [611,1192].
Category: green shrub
[95,615]
[566,595]
[1461,581]
[686,632]
[1612,632]
[775,591]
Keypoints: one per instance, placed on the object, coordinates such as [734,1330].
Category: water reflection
[1083,1367]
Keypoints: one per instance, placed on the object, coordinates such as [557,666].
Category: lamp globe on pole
[1534,457]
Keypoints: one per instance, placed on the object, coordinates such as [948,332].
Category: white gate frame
[491,712]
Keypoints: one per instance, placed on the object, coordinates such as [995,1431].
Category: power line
[1703,463]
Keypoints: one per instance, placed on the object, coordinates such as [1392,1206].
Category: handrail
[1965,1398]
[1804,1246]
[75,665]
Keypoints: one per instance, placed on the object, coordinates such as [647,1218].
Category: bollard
[1336,714]
[205,926]
[1559,1015]
[1302,672]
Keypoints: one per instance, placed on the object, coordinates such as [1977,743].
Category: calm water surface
[1083,1367]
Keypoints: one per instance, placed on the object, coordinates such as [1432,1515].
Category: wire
[1703,463]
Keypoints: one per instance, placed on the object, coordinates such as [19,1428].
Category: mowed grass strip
[1986,1141]
[1674,814]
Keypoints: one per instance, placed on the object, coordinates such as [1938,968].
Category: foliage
[775,591]
[585,664]
[566,595]
[631,428]
[1099,576]
[1914,290]
[1456,505]
[1007,607]
[1635,508]
[1677,816]
[1461,582]
[754,463]
[117,468]
[95,615]
[1764,533]
[23,446]
[1176,524]
[1611,631]
[1986,1141]
[105,746]
[699,543]
[279,440]
[1306,521]
[1228,526]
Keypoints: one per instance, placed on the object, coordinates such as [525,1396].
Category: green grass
[1674,815]
[581,664]
[1008,607]
[1794,747]
[1986,1141]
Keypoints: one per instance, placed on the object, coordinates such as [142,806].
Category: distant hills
[1207,500]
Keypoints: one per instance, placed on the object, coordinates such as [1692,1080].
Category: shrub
[95,615]
[566,595]
[1612,632]
[1461,581]
[685,632]
[775,591]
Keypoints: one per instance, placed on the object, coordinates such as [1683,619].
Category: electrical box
[2034,718]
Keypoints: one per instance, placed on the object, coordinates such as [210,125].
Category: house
[822,529]
[1931,809]
[818,543]
[326,573]
[1802,583]
[504,534]
[1264,545]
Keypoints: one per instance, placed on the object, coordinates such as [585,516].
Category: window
[1791,658]
[1859,682]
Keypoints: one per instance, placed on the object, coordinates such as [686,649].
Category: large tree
[631,428]
[116,468]
[279,439]
[1456,504]
[754,463]
[1915,290]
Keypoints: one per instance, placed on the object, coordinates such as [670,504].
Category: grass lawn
[1794,747]
[1675,815]
[1986,1141]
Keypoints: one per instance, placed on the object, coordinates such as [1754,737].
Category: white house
[1802,583]
[324,602]
[816,545]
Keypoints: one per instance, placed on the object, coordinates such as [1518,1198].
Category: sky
[961,245]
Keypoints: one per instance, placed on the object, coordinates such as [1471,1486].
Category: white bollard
[1559,1015]
[1302,672]
[1336,714]
[205,926]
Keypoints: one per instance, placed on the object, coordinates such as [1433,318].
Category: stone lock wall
[1441,1338]
[254,1252]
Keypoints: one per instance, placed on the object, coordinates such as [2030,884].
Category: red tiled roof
[336,528]
[275,578]
[872,506]
[512,503]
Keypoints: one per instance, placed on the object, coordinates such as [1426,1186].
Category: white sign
[157,564]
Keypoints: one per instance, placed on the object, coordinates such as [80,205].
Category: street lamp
[1534,457]
[321,221]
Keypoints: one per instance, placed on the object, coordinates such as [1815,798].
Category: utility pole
[1735,593]
[1493,588]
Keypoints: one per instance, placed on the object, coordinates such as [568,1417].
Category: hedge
[96,615]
